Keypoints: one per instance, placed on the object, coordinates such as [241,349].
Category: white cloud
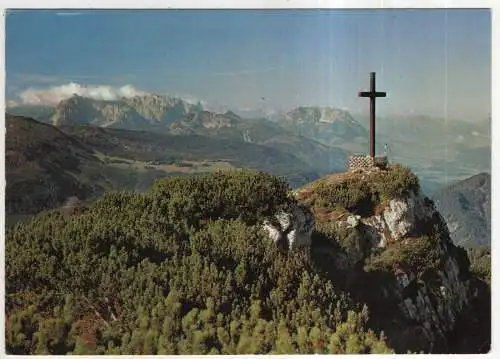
[11,103]
[190,99]
[53,95]
[193,100]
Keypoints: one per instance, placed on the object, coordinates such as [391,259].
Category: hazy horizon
[434,62]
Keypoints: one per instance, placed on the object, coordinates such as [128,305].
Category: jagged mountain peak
[232,115]
[317,114]
[138,112]
[202,120]
[331,126]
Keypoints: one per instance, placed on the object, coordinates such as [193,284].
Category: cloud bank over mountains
[53,95]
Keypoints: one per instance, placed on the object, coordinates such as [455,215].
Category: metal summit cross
[372,94]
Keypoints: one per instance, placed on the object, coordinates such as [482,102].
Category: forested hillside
[181,269]
[186,268]
[44,166]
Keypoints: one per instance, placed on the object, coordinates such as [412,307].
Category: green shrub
[414,254]
[362,193]
[354,194]
[397,182]
[480,263]
[245,194]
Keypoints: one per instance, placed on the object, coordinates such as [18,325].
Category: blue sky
[434,62]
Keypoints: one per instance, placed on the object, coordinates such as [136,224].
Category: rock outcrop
[395,254]
[400,218]
[290,230]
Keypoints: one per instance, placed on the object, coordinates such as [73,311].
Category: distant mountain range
[136,113]
[330,126]
[437,150]
[81,155]
[466,207]
[169,115]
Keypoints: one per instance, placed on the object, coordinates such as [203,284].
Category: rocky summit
[392,249]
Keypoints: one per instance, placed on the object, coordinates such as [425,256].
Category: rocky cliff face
[195,122]
[392,251]
[139,112]
[330,126]
[163,109]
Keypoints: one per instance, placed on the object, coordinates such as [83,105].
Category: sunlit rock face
[392,252]
[291,229]
[401,217]
[431,305]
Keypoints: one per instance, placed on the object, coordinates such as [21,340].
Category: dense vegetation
[181,269]
[359,195]
[480,263]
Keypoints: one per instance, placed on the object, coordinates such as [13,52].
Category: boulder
[291,229]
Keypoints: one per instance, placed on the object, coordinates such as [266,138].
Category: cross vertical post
[372,115]
[372,94]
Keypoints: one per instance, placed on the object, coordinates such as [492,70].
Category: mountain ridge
[42,166]
[438,150]
[138,112]
[466,206]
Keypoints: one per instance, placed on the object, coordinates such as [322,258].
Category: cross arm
[372,94]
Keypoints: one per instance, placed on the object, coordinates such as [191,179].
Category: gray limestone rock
[292,229]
